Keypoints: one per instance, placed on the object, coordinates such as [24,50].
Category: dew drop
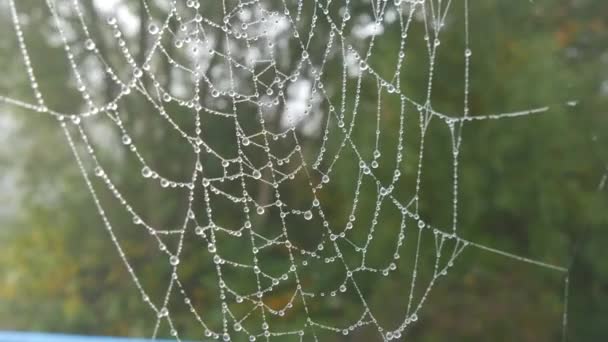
[137,220]
[153,29]
[89,44]
[99,171]
[146,172]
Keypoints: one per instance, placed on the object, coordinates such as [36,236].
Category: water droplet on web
[153,29]
[308,215]
[137,220]
[146,172]
[257,174]
[126,139]
[89,44]
[174,260]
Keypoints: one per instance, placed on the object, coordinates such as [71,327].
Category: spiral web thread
[252,30]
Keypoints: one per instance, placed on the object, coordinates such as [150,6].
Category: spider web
[264,172]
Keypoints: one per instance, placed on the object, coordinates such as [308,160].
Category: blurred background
[531,186]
